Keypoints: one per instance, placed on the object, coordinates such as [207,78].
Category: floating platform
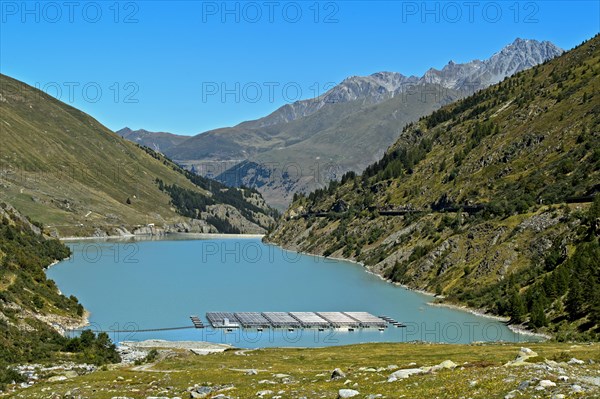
[197,322]
[222,320]
[310,319]
[392,321]
[367,320]
[281,320]
[291,320]
[339,319]
[252,320]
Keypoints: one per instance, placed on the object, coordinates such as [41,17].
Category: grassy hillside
[478,201]
[63,168]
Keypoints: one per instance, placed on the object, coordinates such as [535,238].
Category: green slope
[509,158]
[63,168]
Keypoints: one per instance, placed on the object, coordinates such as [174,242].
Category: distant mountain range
[158,141]
[301,146]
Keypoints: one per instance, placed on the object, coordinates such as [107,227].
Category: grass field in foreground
[297,373]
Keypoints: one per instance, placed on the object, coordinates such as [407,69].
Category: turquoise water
[134,285]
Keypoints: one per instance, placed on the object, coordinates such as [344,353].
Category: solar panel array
[367,319]
[294,319]
[281,319]
[217,319]
[310,319]
[252,319]
[339,319]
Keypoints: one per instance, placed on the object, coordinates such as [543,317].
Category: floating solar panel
[222,320]
[339,319]
[294,320]
[281,319]
[252,320]
[367,319]
[309,319]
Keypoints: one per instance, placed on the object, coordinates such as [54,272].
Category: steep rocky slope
[486,201]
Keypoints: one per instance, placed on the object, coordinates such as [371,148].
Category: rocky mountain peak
[466,77]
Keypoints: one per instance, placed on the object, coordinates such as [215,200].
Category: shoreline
[474,311]
[463,308]
[196,346]
[64,328]
[162,236]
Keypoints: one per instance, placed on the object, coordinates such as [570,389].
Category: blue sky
[190,66]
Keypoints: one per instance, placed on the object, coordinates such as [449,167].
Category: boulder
[337,374]
[447,364]
[347,393]
[404,373]
[576,388]
[522,356]
[547,383]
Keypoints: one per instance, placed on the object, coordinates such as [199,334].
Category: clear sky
[190,66]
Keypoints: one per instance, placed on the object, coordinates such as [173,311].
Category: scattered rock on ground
[347,393]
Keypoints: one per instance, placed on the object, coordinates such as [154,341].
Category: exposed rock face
[99,233]
[120,231]
[191,226]
[475,75]
[148,231]
[9,212]
[224,212]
